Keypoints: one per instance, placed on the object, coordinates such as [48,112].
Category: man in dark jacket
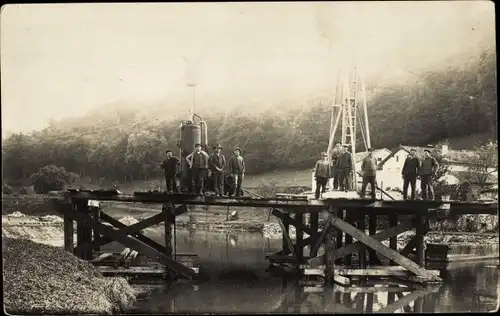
[169,166]
[335,154]
[411,169]
[237,170]
[344,166]
[428,171]
[369,171]
[217,163]
[321,174]
[198,163]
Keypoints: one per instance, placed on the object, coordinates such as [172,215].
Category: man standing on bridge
[369,170]
[321,174]
[427,173]
[237,170]
[344,166]
[411,168]
[169,166]
[335,155]
[217,164]
[198,163]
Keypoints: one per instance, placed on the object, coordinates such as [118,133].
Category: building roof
[361,155]
[420,153]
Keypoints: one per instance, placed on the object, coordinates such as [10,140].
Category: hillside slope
[447,103]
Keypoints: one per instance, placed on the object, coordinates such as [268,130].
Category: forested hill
[446,103]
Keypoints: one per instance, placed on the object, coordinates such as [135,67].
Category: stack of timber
[135,265]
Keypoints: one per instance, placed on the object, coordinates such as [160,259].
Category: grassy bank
[42,279]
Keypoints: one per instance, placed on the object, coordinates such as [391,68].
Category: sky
[62,60]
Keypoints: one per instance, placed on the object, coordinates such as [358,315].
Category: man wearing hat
[335,154]
[198,163]
[369,171]
[237,170]
[217,163]
[344,167]
[428,170]
[169,166]
[321,174]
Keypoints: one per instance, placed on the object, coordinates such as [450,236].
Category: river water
[233,279]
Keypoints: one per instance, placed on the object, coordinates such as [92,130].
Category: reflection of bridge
[346,220]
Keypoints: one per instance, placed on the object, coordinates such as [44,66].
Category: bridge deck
[298,204]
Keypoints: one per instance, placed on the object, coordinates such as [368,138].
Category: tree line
[440,104]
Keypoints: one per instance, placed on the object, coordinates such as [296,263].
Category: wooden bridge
[345,219]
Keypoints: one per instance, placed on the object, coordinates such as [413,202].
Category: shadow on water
[233,279]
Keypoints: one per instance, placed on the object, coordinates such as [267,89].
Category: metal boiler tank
[191,134]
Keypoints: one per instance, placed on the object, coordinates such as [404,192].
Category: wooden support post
[419,305]
[340,236]
[84,233]
[362,251]
[348,238]
[369,303]
[68,234]
[391,298]
[372,230]
[96,214]
[314,221]
[299,220]
[393,241]
[286,232]
[329,248]
[420,232]
[360,301]
[167,215]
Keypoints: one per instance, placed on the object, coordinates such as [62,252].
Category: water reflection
[233,279]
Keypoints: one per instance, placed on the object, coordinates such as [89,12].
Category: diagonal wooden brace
[385,251]
[315,248]
[352,248]
[279,214]
[129,242]
[289,242]
[405,300]
[134,229]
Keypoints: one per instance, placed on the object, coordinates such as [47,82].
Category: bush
[51,178]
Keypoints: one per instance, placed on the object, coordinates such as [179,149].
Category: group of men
[340,169]
[203,167]
[341,166]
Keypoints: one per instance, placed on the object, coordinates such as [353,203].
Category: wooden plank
[379,271]
[458,208]
[409,246]
[315,248]
[341,280]
[129,242]
[168,219]
[340,252]
[379,247]
[102,257]
[339,239]
[370,289]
